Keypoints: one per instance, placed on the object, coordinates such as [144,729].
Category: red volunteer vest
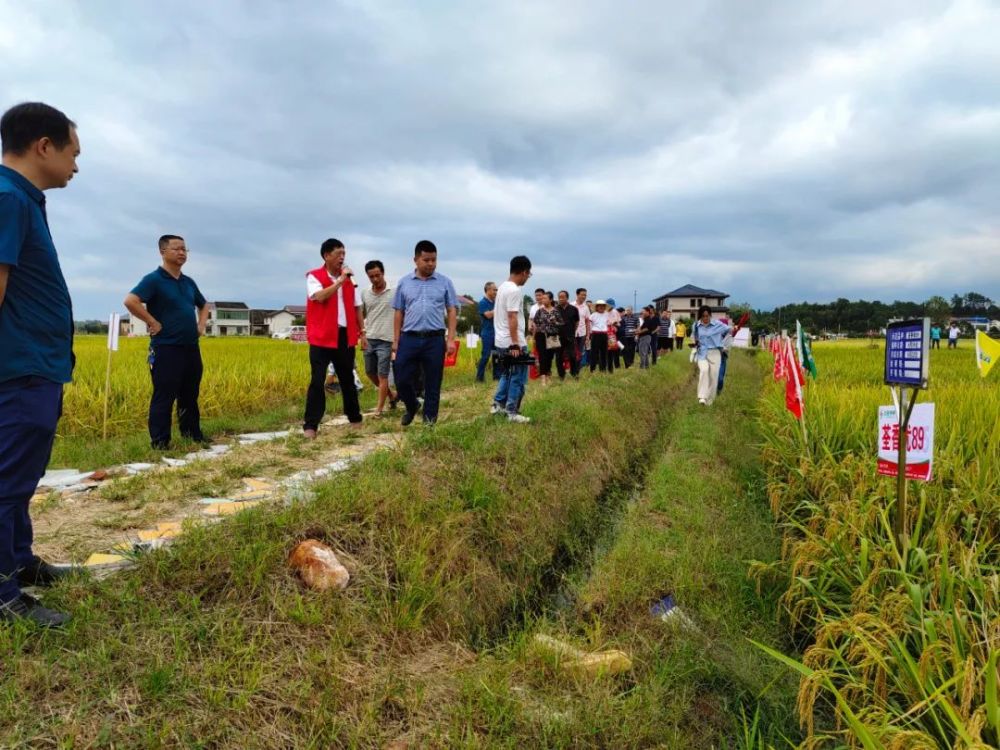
[321,317]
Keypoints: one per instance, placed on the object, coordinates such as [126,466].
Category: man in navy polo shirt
[422,300]
[40,147]
[174,356]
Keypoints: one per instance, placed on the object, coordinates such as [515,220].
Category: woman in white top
[599,336]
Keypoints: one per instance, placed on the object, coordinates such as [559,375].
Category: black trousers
[568,352]
[550,355]
[599,351]
[629,353]
[176,371]
[320,357]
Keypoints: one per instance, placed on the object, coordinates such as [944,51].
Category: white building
[133,326]
[279,321]
[228,319]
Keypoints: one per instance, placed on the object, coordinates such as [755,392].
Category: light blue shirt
[424,302]
[709,336]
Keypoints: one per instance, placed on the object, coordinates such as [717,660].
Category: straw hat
[600,302]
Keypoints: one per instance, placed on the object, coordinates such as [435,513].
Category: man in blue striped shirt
[422,301]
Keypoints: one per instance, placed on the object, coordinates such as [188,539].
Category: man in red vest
[334,326]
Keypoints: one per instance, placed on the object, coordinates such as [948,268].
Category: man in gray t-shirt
[377,304]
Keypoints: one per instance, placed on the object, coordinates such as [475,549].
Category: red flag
[780,363]
[793,382]
[792,398]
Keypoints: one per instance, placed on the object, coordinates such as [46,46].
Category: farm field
[907,637]
[250,384]
[804,625]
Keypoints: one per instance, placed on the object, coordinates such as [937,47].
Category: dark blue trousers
[722,372]
[420,354]
[29,410]
[176,372]
[485,357]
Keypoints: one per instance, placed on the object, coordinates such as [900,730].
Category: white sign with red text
[919,445]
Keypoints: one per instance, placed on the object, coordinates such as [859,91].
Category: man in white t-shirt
[583,327]
[953,334]
[508,323]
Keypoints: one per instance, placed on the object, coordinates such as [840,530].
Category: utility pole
[635,297]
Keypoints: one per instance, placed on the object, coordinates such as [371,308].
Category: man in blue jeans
[510,341]
[486,334]
[422,300]
[40,148]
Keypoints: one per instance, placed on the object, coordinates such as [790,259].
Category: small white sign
[471,340]
[114,324]
[919,446]
[742,339]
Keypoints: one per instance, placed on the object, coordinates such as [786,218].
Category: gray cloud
[781,152]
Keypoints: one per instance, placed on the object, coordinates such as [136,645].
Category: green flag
[804,349]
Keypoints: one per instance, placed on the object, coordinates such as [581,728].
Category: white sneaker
[496,408]
[702,401]
[518,418]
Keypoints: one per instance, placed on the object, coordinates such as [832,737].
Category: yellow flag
[987,352]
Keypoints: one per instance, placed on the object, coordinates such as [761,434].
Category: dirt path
[99,522]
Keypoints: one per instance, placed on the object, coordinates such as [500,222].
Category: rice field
[243,376]
[900,643]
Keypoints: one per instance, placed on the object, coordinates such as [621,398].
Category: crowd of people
[405,334]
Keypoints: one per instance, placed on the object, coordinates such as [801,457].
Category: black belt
[439,333]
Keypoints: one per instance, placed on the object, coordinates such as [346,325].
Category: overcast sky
[777,151]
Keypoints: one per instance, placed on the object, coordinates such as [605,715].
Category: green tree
[937,309]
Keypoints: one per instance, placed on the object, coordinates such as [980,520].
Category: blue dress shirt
[709,336]
[424,302]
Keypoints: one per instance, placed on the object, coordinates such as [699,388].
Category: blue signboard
[907,352]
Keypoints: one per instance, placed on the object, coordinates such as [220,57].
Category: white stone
[60,478]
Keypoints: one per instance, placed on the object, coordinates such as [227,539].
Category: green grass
[452,541]
[691,531]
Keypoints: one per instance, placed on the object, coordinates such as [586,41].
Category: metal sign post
[907,368]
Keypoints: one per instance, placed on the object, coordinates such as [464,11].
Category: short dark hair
[165,240]
[704,309]
[424,246]
[23,124]
[374,264]
[487,285]
[581,289]
[539,290]
[551,296]
[563,291]
[329,246]
[519,264]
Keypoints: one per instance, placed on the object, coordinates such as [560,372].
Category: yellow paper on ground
[101,559]
[987,352]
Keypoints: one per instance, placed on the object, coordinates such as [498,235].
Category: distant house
[258,322]
[684,301]
[132,326]
[298,311]
[279,321]
[228,319]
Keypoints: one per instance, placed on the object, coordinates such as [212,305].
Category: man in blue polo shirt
[486,334]
[40,147]
[170,300]
[422,299]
